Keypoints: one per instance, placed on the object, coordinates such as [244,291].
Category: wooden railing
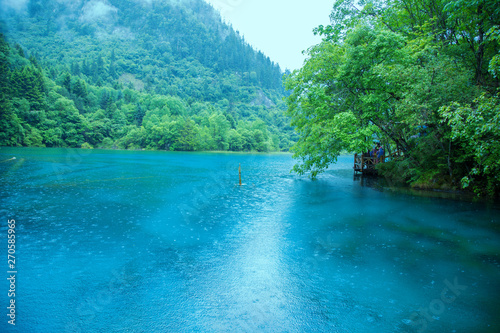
[366,164]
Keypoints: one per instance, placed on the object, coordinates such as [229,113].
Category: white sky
[281,29]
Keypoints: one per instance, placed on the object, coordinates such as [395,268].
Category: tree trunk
[480,49]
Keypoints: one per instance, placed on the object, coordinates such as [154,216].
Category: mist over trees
[135,74]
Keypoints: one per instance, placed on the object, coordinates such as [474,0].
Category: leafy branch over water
[420,77]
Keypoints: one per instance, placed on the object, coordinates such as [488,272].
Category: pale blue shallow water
[119,241]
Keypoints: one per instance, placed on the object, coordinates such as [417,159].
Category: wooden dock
[366,164]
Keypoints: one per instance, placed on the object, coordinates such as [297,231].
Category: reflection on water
[165,242]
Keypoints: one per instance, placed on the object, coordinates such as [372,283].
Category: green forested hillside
[135,74]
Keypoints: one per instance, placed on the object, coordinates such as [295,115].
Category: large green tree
[385,71]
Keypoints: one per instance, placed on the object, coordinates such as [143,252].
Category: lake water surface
[121,241]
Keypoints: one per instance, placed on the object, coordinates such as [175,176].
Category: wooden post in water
[239,172]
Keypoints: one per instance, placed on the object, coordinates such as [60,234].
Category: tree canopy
[418,76]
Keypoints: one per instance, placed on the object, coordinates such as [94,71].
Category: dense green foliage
[420,76]
[135,74]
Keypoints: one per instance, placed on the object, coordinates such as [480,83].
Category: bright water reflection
[165,242]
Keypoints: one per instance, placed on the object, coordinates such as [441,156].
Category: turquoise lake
[139,241]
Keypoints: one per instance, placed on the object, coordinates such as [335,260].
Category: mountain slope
[141,74]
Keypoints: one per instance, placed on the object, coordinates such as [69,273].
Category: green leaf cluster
[475,130]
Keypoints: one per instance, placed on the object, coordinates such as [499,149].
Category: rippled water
[118,241]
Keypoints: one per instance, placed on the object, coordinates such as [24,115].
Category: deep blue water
[120,241]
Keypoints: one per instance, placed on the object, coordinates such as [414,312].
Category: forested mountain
[421,77]
[155,74]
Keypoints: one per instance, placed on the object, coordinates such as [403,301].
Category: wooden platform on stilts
[366,164]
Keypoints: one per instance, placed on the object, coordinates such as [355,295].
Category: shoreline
[156,150]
